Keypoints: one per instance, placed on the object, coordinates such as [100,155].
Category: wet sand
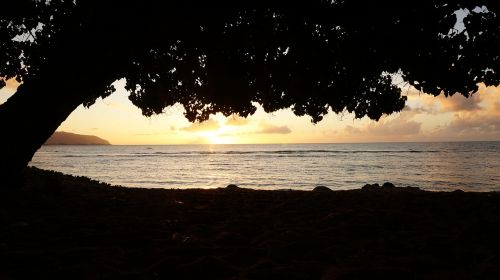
[60,226]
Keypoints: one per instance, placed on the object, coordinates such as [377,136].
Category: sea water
[469,166]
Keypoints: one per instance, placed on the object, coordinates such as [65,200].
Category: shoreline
[59,225]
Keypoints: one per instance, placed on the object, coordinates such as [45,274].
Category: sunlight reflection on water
[471,166]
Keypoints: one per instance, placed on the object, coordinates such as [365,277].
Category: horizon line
[294,143]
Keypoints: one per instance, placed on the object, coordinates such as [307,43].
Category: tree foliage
[313,56]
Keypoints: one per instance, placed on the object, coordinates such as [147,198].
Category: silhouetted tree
[312,56]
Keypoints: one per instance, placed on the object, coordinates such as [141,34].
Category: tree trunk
[28,119]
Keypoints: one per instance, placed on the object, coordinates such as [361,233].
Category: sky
[425,118]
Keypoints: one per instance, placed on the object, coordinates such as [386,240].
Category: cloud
[395,127]
[388,128]
[496,107]
[491,98]
[471,126]
[425,103]
[266,128]
[352,130]
[459,102]
[204,126]
[460,118]
[236,120]
[480,123]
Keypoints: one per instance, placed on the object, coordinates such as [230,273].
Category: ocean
[469,166]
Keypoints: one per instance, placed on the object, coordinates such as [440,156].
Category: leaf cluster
[313,56]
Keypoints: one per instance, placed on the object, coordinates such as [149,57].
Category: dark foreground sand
[59,226]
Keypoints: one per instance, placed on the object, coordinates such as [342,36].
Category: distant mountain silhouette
[67,138]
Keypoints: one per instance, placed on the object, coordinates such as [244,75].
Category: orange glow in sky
[426,118]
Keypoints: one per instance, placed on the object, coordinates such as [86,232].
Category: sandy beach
[60,226]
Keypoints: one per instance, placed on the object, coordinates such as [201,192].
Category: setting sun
[318,139]
[426,118]
[217,132]
[215,137]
